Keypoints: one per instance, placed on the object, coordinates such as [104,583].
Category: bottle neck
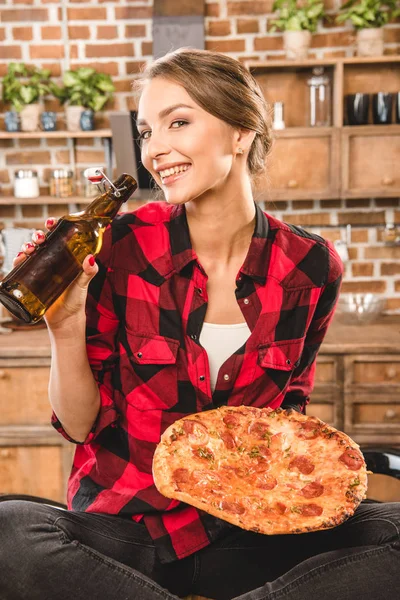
[108,204]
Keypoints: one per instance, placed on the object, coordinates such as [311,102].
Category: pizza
[269,471]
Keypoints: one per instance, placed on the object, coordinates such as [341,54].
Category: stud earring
[240,150]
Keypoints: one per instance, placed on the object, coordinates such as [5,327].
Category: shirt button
[139,354]
[246,301]
[202,377]
[226,377]
[193,336]
[199,291]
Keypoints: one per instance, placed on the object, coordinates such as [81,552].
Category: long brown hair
[224,88]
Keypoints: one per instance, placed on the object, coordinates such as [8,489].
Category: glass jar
[88,189]
[61,183]
[319,86]
[26,183]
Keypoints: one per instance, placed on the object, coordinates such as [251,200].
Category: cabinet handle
[4,374]
[390,414]
[391,372]
[292,183]
[388,180]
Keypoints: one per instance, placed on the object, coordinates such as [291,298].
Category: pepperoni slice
[308,430]
[233,507]
[228,440]
[311,510]
[352,459]
[313,490]
[260,430]
[265,482]
[277,442]
[265,452]
[231,421]
[302,463]
[181,475]
[197,432]
[280,508]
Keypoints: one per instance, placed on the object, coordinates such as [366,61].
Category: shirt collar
[182,253]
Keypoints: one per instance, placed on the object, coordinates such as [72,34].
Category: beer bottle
[34,285]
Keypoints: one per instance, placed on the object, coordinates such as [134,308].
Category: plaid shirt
[145,312]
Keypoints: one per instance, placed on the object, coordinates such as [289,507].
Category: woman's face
[188,151]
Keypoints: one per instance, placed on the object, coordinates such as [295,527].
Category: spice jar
[88,190]
[26,183]
[61,183]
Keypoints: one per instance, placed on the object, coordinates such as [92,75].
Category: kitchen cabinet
[357,390]
[341,161]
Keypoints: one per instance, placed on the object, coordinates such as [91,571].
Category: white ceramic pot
[296,44]
[30,117]
[72,116]
[370,42]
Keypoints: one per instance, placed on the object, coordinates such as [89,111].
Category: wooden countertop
[377,338]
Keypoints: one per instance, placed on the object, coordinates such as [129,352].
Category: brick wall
[115,36]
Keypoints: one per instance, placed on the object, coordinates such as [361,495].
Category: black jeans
[50,554]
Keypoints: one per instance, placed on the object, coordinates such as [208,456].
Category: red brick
[133,12]
[78,32]
[397,286]
[135,31]
[4,176]
[305,219]
[87,14]
[218,28]
[391,36]
[226,45]
[271,42]
[387,202]
[251,7]
[390,268]
[303,204]
[2,34]
[55,69]
[90,156]
[109,50]
[8,52]
[135,67]
[247,26]
[107,32]
[357,203]
[123,85]
[212,9]
[28,158]
[22,33]
[337,38]
[51,33]
[364,287]
[362,218]
[362,269]
[385,252]
[359,236]
[51,51]
[31,211]
[109,68]
[393,304]
[331,234]
[24,15]
[147,48]
[334,53]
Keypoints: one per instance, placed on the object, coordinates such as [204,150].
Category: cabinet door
[23,396]
[371,158]
[35,470]
[303,164]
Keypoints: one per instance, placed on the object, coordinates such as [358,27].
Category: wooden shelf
[6,135]
[140,195]
[323,62]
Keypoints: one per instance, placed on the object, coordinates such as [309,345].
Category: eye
[143,135]
[179,123]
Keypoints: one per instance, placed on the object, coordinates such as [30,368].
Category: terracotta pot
[370,42]
[296,44]
[72,116]
[30,117]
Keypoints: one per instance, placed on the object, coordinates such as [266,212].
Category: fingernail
[29,245]
[39,236]
[49,222]
[92,261]
[20,254]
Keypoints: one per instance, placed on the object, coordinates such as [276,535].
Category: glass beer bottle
[34,285]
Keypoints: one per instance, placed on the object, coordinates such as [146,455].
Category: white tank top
[220,342]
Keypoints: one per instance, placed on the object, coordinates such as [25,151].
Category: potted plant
[23,87]
[297,20]
[368,18]
[84,91]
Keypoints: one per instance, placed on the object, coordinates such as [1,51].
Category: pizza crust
[269,471]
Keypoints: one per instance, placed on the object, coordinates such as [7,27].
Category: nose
[156,146]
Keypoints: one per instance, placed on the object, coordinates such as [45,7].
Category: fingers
[38,238]
[90,269]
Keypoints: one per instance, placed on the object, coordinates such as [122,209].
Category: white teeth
[177,169]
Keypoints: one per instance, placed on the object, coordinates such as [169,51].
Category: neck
[221,226]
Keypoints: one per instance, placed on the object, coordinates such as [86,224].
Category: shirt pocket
[284,355]
[149,374]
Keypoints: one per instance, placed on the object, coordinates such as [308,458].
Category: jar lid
[61,173]
[25,173]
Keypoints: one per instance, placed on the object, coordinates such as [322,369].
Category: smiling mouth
[169,175]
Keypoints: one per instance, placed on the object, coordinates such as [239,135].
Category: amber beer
[34,285]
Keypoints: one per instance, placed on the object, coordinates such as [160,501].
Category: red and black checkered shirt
[145,311]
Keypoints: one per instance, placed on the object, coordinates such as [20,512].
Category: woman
[188,303]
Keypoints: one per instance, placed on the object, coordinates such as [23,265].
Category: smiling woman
[197,302]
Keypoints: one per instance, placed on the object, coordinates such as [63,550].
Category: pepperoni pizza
[269,471]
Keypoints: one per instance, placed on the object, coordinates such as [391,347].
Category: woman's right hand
[69,309]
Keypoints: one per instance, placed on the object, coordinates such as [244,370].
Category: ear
[243,138]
